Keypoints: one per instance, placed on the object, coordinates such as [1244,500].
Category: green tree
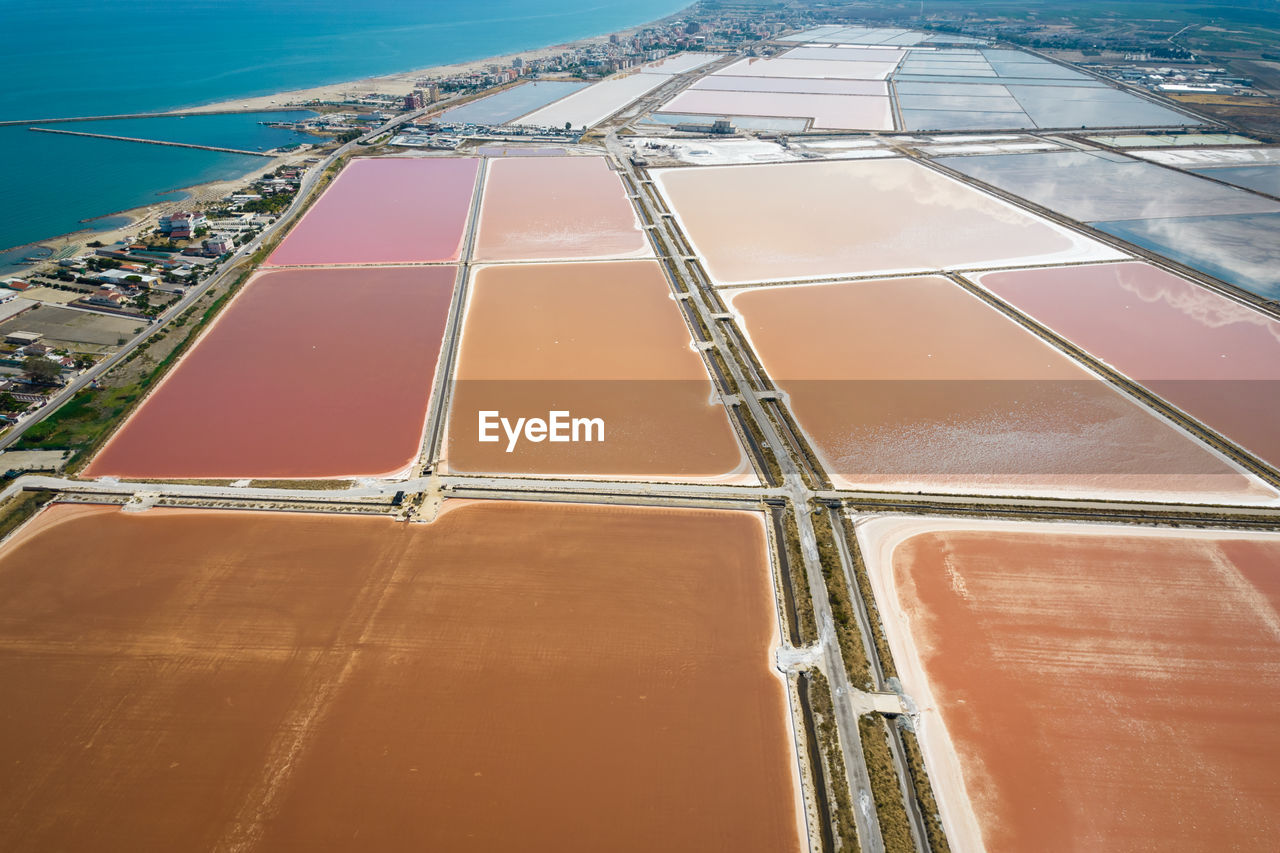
[9,403]
[41,370]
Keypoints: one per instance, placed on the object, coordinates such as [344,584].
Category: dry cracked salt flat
[795,221]
[1088,687]
[509,676]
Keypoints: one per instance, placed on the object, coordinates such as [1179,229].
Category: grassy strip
[869,601]
[808,626]
[842,608]
[21,507]
[924,794]
[846,829]
[316,485]
[773,472]
[885,788]
[731,384]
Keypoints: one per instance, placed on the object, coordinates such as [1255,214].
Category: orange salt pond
[210,680]
[556,208]
[386,211]
[916,384]
[308,373]
[597,341]
[1087,687]
[1217,360]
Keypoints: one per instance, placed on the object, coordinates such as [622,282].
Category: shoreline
[395,83]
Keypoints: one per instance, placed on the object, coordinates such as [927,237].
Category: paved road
[794,487]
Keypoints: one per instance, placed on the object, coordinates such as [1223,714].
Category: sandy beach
[401,83]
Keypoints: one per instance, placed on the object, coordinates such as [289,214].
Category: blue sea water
[92,57]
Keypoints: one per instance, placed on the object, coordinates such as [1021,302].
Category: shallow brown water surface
[512,676]
[598,340]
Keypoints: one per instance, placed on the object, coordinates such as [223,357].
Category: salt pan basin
[556,208]
[916,384]
[385,211]
[283,384]
[851,112]
[593,340]
[1088,687]
[1217,360]
[791,221]
[209,680]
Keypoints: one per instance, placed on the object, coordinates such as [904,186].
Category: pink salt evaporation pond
[1217,360]
[911,384]
[556,208]
[386,211]
[308,373]
[1086,687]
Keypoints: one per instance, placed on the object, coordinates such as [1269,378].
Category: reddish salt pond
[1089,688]
[308,373]
[594,340]
[556,208]
[916,384]
[512,676]
[1208,355]
[386,211]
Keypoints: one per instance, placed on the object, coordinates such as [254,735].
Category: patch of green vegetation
[268,204]
[869,601]
[848,633]
[808,627]
[82,421]
[299,485]
[21,507]
[885,787]
[924,794]
[832,758]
